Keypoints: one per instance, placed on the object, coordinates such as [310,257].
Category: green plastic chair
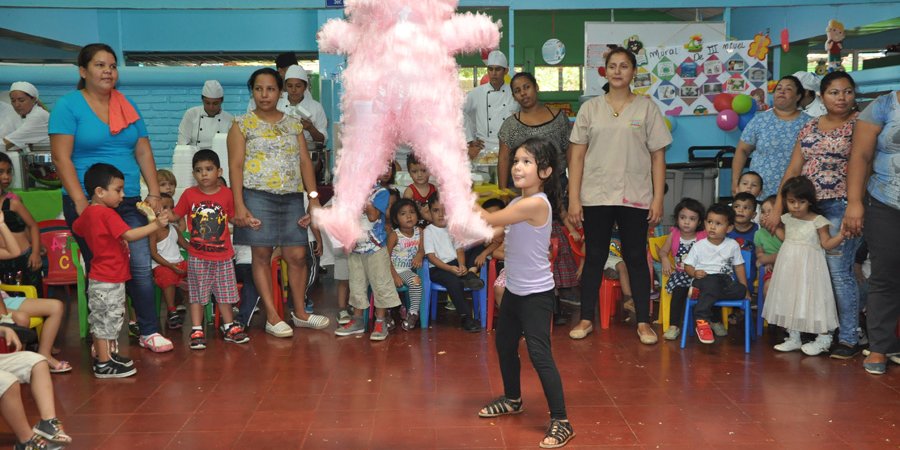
[81,288]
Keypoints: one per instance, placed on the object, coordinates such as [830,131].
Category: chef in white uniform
[201,123]
[811,103]
[29,121]
[301,105]
[487,106]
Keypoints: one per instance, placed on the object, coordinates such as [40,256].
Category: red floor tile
[207,440]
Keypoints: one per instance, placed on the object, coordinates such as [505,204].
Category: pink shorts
[501,279]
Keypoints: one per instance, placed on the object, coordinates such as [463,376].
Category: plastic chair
[279,285]
[81,288]
[610,294]
[369,316]
[654,244]
[744,304]
[61,271]
[430,291]
[30,292]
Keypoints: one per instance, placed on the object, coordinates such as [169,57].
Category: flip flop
[61,367]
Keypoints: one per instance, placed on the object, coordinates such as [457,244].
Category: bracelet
[154,196]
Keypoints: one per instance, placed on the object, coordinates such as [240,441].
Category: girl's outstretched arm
[531,209]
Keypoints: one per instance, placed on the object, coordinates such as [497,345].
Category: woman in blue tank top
[528,302]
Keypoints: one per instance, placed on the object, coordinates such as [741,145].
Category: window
[559,78]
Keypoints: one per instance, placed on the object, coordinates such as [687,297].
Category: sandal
[61,367]
[155,343]
[501,407]
[559,430]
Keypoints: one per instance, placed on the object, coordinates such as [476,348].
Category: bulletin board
[639,36]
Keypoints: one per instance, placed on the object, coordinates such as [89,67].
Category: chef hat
[809,81]
[296,72]
[212,89]
[25,87]
[497,58]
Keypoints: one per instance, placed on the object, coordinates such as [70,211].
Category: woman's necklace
[618,110]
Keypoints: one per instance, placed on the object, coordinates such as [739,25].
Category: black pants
[249,294]
[454,287]
[529,315]
[676,308]
[883,304]
[598,225]
[713,288]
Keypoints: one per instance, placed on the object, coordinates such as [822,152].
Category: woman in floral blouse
[821,154]
[270,168]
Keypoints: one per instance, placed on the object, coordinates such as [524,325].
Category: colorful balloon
[741,103]
[744,119]
[722,101]
[727,120]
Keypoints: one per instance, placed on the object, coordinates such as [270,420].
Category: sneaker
[314,321]
[817,347]
[672,333]
[411,321]
[718,329]
[791,343]
[112,369]
[234,334]
[308,306]
[174,320]
[122,360]
[343,317]
[355,326]
[280,329]
[470,325]
[704,332]
[893,357]
[181,309]
[380,331]
[472,281]
[156,343]
[389,321]
[133,329]
[52,431]
[844,351]
[198,340]
[35,443]
[449,306]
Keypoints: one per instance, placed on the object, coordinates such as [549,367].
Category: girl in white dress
[800,297]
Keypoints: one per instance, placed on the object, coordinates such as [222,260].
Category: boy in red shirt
[207,208]
[104,232]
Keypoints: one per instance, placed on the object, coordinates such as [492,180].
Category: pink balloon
[727,120]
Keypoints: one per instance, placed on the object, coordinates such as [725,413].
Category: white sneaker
[791,343]
[280,329]
[818,346]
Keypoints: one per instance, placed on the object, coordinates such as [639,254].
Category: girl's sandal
[61,367]
[501,407]
[560,431]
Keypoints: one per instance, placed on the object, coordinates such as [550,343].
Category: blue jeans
[840,265]
[140,287]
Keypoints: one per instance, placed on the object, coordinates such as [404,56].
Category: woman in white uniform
[302,106]
[201,123]
[30,123]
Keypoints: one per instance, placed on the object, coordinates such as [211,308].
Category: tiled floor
[422,389]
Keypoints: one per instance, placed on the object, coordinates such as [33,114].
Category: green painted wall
[792,61]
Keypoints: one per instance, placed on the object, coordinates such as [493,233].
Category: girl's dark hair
[4,158]
[623,51]
[393,178]
[265,71]
[545,153]
[801,188]
[526,75]
[832,77]
[693,206]
[797,85]
[399,204]
[87,53]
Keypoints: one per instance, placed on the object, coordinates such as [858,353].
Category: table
[43,204]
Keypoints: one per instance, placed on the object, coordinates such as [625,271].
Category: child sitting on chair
[767,244]
[169,267]
[25,231]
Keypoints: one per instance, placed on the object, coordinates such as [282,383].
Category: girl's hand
[479,260]
[317,248]
[81,205]
[34,261]
[667,268]
[177,270]
[773,220]
[12,340]
[398,281]
[304,221]
[852,224]
[576,214]
[417,262]
[654,215]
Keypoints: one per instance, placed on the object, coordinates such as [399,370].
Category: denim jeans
[249,294]
[840,265]
[140,287]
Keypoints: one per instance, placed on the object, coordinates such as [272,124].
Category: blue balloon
[744,119]
[753,107]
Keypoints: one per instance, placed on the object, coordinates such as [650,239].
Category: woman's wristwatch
[313,194]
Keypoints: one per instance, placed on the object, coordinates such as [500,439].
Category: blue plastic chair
[369,315]
[430,291]
[744,304]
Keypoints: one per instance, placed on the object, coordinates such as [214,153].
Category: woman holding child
[96,123]
[270,167]
[617,170]
[822,153]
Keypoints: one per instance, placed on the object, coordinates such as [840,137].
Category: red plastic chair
[279,291]
[61,270]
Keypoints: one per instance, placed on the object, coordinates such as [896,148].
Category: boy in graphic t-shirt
[207,209]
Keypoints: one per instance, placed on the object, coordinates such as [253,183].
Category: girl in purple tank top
[528,303]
